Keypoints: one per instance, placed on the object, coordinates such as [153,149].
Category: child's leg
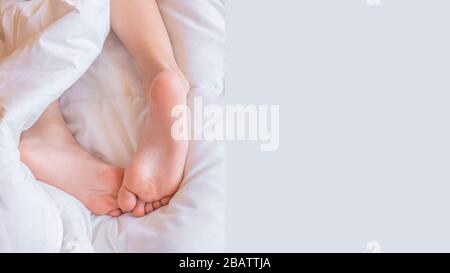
[56,158]
[155,171]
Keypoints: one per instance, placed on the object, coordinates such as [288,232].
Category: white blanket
[48,46]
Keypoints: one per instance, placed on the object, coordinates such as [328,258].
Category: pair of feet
[149,181]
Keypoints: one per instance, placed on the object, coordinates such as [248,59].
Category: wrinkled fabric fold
[47,45]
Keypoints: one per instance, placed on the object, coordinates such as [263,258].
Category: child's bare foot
[56,158]
[155,171]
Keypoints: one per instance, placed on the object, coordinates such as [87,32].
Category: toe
[115,213]
[139,210]
[157,205]
[126,199]
[165,201]
[148,208]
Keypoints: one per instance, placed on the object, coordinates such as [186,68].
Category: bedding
[101,99]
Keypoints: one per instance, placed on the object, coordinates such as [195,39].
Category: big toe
[126,199]
[139,210]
